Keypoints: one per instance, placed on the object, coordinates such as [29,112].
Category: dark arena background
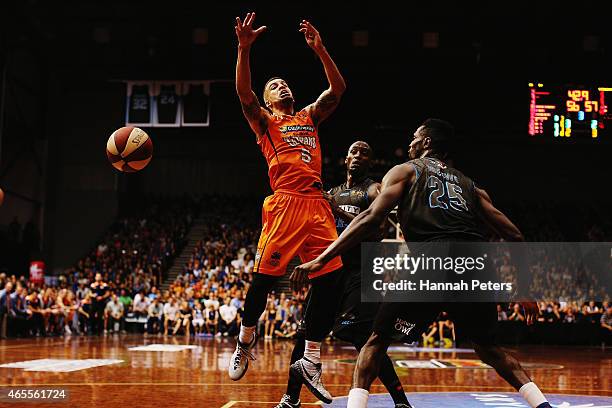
[527,86]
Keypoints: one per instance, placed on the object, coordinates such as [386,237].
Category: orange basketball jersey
[291,148]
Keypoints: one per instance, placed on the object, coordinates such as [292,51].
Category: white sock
[357,398]
[246,334]
[532,394]
[313,351]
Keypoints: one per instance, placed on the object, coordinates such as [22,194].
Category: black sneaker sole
[296,369]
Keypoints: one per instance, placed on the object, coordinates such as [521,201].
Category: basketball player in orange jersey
[296,219]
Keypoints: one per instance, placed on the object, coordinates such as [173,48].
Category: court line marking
[408,387]
[234,402]
[59,343]
[460,392]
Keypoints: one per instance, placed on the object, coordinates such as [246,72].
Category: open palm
[312,36]
[245,32]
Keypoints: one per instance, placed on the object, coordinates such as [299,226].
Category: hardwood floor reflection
[198,376]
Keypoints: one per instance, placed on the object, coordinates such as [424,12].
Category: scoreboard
[566,112]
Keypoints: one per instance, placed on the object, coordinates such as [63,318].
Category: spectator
[170,314]
[516,315]
[270,318]
[85,314]
[114,313]
[101,293]
[428,336]
[606,326]
[501,314]
[141,304]
[446,330]
[212,320]
[83,290]
[125,300]
[153,294]
[6,308]
[155,313]
[569,317]
[228,313]
[184,319]
[198,319]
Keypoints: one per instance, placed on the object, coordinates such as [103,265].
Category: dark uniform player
[101,293]
[436,203]
[354,321]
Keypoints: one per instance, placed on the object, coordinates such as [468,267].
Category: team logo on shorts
[403,326]
[275,259]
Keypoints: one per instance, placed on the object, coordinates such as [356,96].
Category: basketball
[129,149]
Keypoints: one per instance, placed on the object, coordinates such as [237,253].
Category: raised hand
[312,36]
[244,30]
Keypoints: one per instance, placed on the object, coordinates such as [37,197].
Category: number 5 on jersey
[306,157]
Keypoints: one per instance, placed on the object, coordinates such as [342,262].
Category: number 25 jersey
[291,148]
[442,205]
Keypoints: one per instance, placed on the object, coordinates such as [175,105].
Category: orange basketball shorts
[295,224]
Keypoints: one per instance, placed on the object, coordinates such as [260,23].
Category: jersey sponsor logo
[481,400]
[351,209]
[297,128]
[308,141]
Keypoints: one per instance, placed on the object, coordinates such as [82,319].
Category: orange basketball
[129,149]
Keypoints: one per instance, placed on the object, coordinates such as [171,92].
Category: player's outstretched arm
[395,182]
[329,99]
[253,112]
[496,220]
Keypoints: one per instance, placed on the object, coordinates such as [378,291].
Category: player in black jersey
[355,319]
[436,203]
[101,293]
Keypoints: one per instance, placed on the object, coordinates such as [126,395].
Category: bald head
[358,159]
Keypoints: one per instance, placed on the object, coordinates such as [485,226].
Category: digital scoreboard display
[565,112]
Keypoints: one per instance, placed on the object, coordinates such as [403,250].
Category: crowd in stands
[131,257]
[115,287]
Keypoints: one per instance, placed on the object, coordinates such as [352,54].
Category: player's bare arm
[253,112]
[395,182]
[496,220]
[329,99]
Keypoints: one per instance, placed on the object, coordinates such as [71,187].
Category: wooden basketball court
[196,376]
